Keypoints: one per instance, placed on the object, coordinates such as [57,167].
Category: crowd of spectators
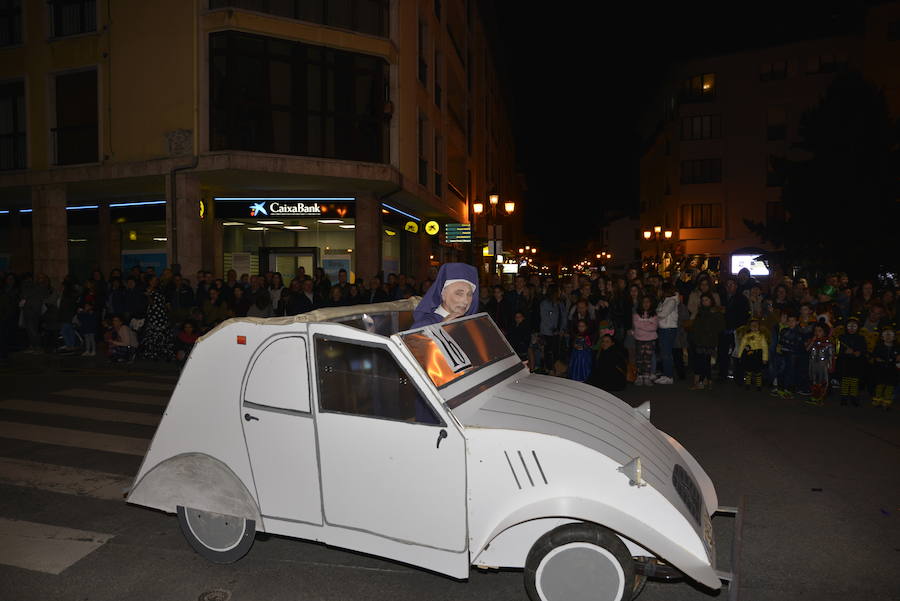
[778,333]
[160,316]
[611,331]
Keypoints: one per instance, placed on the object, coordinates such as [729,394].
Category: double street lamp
[658,234]
[509,208]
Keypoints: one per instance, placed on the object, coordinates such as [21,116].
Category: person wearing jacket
[737,313]
[667,312]
[754,354]
[553,322]
[645,324]
[707,326]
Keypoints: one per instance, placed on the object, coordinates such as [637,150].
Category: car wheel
[218,538]
[579,562]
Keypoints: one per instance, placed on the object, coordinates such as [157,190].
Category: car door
[391,463]
[280,431]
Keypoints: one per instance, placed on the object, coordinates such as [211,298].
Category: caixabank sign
[285,207]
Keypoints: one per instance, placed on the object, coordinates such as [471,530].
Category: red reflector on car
[242,340]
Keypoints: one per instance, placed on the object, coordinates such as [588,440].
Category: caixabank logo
[258,209]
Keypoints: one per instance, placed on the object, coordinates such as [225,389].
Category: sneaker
[86,354]
[664,380]
[776,392]
[639,381]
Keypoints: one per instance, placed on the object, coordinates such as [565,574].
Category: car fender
[195,480]
[586,510]
[704,482]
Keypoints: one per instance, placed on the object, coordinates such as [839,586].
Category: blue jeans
[666,343]
[68,333]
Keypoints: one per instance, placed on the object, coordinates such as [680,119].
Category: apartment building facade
[246,134]
[708,164]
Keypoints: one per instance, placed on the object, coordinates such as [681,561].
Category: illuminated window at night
[701,127]
[701,215]
[364,16]
[699,87]
[702,171]
[12,126]
[71,17]
[284,97]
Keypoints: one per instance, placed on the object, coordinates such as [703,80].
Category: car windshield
[455,349]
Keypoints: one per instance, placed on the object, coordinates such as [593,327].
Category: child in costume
[610,368]
[805,324]
[754,354]
[851,361]
[885,367]
[582,356]
[821,363]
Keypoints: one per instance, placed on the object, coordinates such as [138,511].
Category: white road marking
[45,548]
[114,395]
[144,384]
[107,415]
[75,438]
[62,479]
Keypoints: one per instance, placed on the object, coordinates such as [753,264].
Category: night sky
[579,78]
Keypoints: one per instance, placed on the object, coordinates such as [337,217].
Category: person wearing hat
[453,294]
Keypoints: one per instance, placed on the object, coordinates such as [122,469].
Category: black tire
[218,538]
[609,573]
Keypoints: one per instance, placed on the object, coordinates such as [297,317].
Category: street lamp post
[478,208]
[658,234]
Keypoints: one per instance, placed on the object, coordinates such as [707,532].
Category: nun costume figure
[453,294]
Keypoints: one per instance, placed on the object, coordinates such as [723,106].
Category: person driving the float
[453,294]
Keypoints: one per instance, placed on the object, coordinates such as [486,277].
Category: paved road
[821,485]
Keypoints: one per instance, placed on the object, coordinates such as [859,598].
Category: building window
[10,22]
[12,126]
[423,53]
[893,31]
[75,135]
[364,16]
[423,150]
[701,215]
[699,87]
[773,71]
[827,63]
[438,162]
[774,178]
[71,17]
[437,9]
[438,90]
[367,381]
[776,123]
[701,127]
[775,213]
[278,96]
[701,171]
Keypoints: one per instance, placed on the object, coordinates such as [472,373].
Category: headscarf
[425,314]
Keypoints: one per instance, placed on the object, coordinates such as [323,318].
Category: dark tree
[841,186]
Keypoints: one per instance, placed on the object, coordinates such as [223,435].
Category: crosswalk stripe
[114,395]
[63,479]
[143,384]
[45,548]
[75,438]
[107,415]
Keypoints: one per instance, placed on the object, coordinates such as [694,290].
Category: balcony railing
[12,152]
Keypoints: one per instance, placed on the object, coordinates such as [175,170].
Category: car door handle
[249,417]
[441,436]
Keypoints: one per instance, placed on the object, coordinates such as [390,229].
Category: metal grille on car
[687,490]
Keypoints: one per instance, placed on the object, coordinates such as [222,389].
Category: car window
[476,340]
[367,381]
[278,377]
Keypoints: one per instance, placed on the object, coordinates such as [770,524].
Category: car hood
[583,414]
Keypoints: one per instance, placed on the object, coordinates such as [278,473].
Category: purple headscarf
[424,314]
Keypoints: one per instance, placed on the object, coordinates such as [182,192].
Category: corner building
[247,134]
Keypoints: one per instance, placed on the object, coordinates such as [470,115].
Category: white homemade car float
[432,446]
